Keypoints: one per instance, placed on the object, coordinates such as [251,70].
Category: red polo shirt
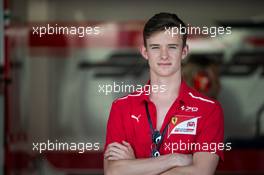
[195,124]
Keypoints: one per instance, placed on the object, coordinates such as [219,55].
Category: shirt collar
[181,99]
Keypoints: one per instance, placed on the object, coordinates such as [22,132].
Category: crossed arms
[119,159]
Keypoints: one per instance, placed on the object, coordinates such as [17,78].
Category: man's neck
[171,85]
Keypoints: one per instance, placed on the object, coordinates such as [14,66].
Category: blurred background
[49,84]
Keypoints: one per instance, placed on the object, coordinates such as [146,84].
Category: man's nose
[164,54]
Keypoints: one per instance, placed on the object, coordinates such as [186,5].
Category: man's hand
[117,151]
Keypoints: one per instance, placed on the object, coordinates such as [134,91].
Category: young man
[149,133]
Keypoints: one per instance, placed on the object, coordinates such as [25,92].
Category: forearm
[186,170]
[148,166]
[203,164]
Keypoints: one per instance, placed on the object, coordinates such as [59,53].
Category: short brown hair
[161,21]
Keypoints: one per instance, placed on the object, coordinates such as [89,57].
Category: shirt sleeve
[211,136]
[115,129]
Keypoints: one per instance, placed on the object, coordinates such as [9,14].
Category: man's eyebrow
[157,45]
[173,44]
[151,45]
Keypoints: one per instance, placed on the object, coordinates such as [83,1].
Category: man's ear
[143,51]
[185,51]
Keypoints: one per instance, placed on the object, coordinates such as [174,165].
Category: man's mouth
[164,64]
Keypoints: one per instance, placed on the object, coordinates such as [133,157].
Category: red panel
[256,41]
[243,160]
[72,160]
[47,40]
[18,160]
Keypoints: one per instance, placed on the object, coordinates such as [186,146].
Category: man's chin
[165,73]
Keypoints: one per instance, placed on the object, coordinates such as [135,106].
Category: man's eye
[154,47]
[173,47]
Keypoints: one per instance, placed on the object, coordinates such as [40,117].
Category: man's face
[164,53]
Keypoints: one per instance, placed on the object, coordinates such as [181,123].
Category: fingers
[117,151]
[111,155]
[118,145]
[129,147]
[130,153]
[126,144]
[112,151]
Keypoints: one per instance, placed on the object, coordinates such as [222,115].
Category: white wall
[204,12]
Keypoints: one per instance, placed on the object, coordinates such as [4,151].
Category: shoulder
[203,102]
[127,100]
[209,109]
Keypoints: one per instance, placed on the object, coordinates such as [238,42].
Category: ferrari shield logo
[174,120]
